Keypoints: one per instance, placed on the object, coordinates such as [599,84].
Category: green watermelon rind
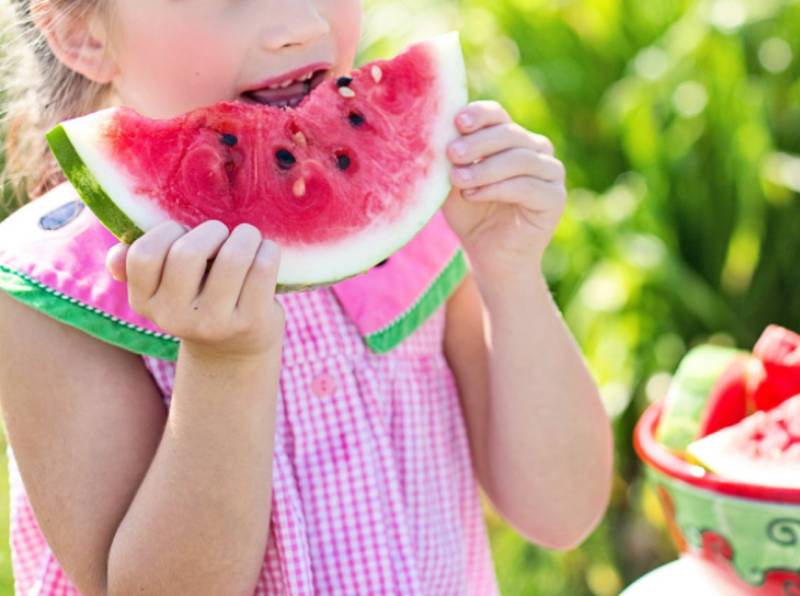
[89,189]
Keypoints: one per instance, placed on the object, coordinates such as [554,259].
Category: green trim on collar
[91,320]
[439,291]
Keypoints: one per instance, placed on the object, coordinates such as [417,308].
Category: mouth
[286,91]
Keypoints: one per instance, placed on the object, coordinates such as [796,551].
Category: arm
[132,500]
[540,439]
[127,504]
[199,522]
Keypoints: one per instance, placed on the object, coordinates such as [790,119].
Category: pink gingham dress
[373,487]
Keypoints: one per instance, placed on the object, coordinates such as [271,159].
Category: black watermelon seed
[356,119]
[285,158]
[229,140]
[382,263]
[343,161]
[343,81]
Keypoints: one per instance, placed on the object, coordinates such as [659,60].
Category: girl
[282,453]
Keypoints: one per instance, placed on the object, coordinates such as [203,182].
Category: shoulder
[35,342]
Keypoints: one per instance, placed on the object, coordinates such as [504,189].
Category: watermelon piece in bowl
[340,182]
[686,403]
[762,449]
[717,387]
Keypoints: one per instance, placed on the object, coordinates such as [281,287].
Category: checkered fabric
[373,488]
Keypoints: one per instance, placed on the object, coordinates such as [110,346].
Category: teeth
[286,84]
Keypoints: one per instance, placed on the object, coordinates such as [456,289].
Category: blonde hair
[39,92]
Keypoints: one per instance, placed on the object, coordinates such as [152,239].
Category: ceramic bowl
[750,533]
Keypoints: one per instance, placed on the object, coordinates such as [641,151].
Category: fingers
[187,261]
[115,261]
[144,261]
[505,165]
[495,139]
[259,285]
[531,193]
[481,114]
[231,265]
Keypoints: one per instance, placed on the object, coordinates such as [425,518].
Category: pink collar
[52,254]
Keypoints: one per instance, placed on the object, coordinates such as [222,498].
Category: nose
[301,24]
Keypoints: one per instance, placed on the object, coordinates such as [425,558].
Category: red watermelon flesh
[758,382]
[731,398]
[339,182]
[779,351]
[762,449]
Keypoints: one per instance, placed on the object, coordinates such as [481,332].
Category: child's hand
[225,310]
[506,206]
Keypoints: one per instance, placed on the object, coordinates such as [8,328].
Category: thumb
[115,261]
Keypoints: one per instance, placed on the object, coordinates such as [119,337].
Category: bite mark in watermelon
[762,449]
[340,182]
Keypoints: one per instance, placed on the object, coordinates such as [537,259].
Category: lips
[288,90]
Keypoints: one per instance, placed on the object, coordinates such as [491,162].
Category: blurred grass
[679,122]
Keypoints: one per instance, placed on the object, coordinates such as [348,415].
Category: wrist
[510,279]
[213,357]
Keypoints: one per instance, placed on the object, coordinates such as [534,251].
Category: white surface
[684,577]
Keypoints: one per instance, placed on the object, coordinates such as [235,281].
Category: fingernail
[464,174]
[458,148]
[465,120]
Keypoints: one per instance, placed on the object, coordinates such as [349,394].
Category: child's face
[172,56]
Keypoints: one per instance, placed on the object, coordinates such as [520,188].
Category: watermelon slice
[688,394]
[340,182]
[762,449]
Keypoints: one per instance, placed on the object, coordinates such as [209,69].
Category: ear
[79,41]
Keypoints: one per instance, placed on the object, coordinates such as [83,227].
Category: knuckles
[197,321]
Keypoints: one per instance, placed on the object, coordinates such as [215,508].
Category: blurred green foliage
[679,123]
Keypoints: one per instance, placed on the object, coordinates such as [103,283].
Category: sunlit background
[679,122]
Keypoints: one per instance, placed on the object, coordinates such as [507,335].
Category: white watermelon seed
[300,139]
[377,73]
[299,188]
[347,92]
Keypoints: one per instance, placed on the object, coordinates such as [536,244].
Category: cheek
[171,66]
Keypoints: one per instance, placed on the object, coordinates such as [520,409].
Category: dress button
[323,386]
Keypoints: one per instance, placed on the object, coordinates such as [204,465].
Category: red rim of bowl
[665,461]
